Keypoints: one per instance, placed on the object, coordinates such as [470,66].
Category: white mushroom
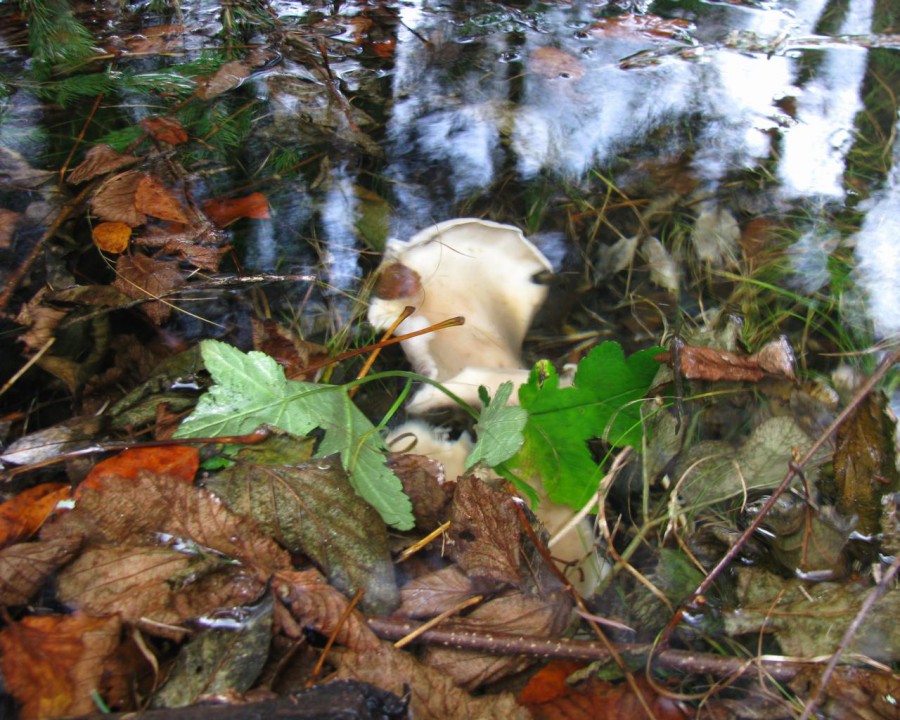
[478,269]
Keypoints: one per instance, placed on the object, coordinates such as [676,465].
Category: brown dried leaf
[485,531]
[165,129]
[100,159]
[153,198]
[156,39]
[114,199]
[853,693]
[552,63]
[288,350]
[200,246]
[432,594]
[8,221]
[316,605]
[139,509]
[25,567]
[423,481]
[226,78]
[111,237]
[53,663]
[40,319]
[865,463]
[312,508]
[23,515]
[515,614]
[224,211]
[149,583]
[141,277]
[432,695]
[776,359]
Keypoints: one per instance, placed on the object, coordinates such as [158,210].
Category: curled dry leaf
[113,201]
[165,129]
[99,160]
[111,237]
[485,530]
[153,198]
[25,567]
[140,277]
[23,515]
[775,359]
[224,211]
[52,664]
[155,587]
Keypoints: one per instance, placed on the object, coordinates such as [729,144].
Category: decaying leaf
[224,211]
[430,595]
[8,222]
[427,487]
[485,530]
[219,661]
[113,201]
[517,614]
[140,277]
[150,506]
[155,39]
[51,442]
[151,197]
[852,693]
[99,160]
[165,129]
[809,619]
[549,696]
[156,587]
[111,237]
[40,318]
[25,567]
[311,508]
[201,246]
[552,63]
[865,466]
[176,461]
[23,515]
[226,78]
[53,663]
[663,269]
[287,349]
[775,359]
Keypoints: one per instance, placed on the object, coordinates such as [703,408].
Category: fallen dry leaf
[288,350]
[224,211]
[153,198]
[434,593]
[139,277]
[111,237]
[99,160]
[426,486]
[140,509]
[226,78]
[485,531]
[514,614]
[853,693]
[177,461]
[40,319]
[775,359]
[155,587]
[156,39]
[25,567]
[113,201]
[552,63]
[8,221]
[549,697]
[165,129]
[53,663]
[201,246]
[22,516]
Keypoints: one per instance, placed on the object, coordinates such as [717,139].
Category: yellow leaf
[111,237]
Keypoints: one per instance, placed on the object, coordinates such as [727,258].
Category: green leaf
[499,429]
[604,402]
[251,390]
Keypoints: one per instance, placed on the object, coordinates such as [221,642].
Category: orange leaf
[384,48]
[164,129]
[225,211]
[111,237]
[153,198]
[549,682]
[180,461]
[22,516]
[52,663]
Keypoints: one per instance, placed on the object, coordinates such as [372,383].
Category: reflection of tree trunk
[832,18]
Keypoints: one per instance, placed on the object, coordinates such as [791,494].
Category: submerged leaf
[312,509]
[23,515]
[25,567]
[251,390]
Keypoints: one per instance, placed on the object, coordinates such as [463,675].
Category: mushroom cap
[475,268]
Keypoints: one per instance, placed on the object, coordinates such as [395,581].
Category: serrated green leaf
[251,390]
[499,429]
[603,402]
